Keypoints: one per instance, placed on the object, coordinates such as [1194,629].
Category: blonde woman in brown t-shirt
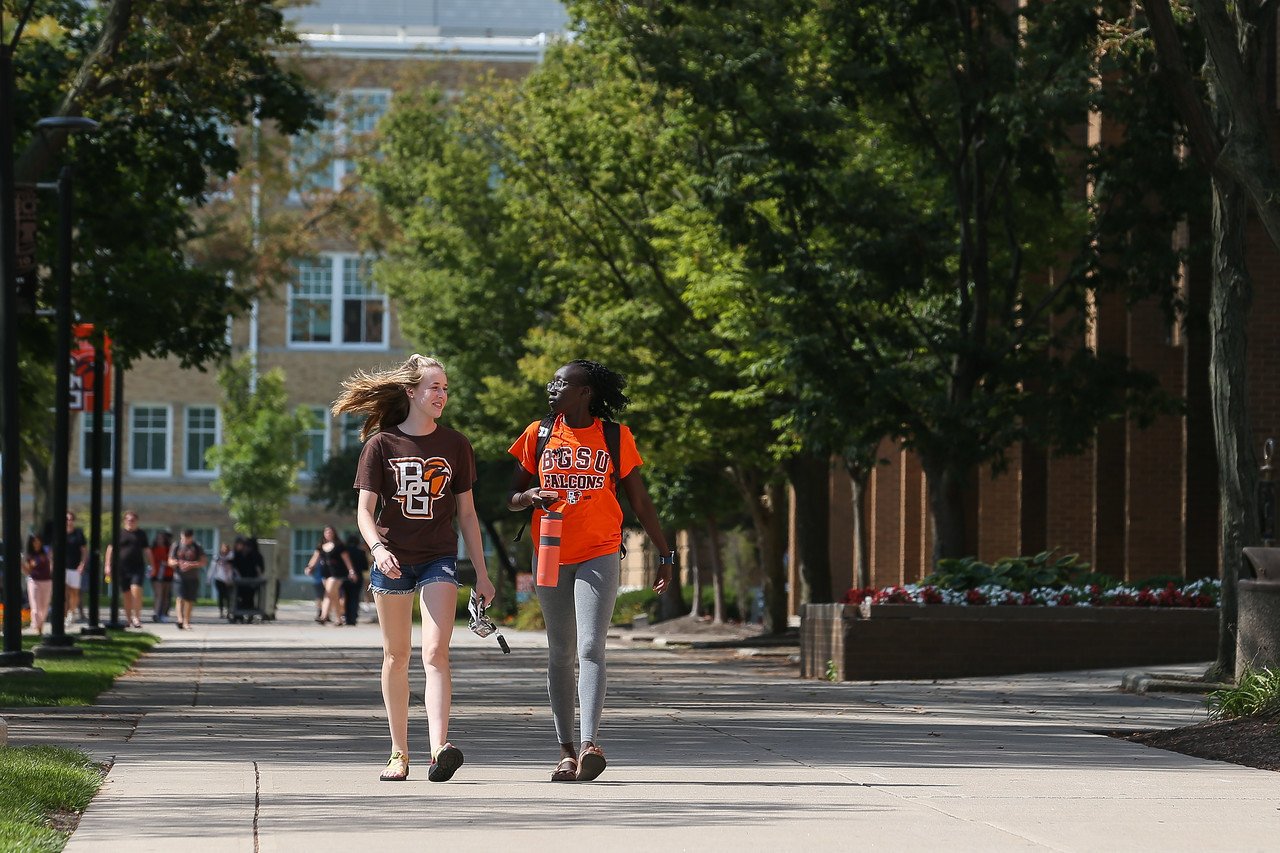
[422,472]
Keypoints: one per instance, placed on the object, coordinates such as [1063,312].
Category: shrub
[1020,574]
[529,616]
[1257,695]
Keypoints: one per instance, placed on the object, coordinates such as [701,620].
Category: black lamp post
[11,480]
[59,643]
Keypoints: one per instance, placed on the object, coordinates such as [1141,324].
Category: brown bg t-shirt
[418,478]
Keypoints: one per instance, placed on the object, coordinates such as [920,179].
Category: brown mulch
[1249,741]
[704,627]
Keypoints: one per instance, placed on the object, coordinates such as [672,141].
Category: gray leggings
[577,612]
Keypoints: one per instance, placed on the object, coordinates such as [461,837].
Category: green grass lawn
[43,789]
[73,681]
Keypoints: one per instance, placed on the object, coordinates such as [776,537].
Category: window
[202,433]
[86,440]
[311,303]
[332,303]
[149,444]
[313,445]
[304,543]
[324,158]
[349,430]
[363,307]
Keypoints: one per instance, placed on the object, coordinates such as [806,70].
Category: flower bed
[1201,593]
[909,633]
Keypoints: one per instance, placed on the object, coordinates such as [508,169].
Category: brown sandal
[397,768]
[591,762]
[566,770]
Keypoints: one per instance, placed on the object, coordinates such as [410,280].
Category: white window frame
[337,278]
[335,141]
[134,471]
[348,426]
[297,566]
[186,438]
[108,439]
[325,431]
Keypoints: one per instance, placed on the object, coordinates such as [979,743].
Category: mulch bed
[1249,741]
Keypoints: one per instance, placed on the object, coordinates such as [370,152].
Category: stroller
[250,599]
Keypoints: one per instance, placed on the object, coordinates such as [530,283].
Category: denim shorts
[414,577]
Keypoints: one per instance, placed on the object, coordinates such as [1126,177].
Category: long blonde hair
[380,395]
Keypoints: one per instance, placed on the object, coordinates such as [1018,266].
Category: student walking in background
[161,576]
[188,558]
[353,586]
[132,555]
[331,563]
[38,567]
[579,476]
[222,576]
[76,554]
[422,472]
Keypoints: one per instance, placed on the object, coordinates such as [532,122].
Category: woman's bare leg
[439,603]
[395,618]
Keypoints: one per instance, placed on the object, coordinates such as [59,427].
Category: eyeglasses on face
[558,383]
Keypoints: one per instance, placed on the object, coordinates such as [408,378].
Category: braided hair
[606,386]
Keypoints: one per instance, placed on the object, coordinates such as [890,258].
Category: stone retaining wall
[906,641]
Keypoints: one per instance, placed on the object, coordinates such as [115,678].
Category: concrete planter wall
[1258,628]
[906,641]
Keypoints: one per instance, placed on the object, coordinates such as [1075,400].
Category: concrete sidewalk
[270,737]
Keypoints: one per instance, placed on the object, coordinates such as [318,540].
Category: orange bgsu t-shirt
[576,464]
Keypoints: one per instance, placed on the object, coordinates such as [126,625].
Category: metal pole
[117,475]
[95,497]
[11,488]
[59,643]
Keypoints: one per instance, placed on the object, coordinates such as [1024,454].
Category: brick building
[1139,503]
[330,319]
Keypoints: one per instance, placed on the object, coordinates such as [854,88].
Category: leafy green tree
[899,178]
[257,461]
[538,224]
[169,81]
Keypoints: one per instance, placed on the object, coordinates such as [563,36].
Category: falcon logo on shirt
[420,483]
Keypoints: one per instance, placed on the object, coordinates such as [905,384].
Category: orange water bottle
[549,547]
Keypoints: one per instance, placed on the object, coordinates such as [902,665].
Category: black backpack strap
[613,441]
[545,426]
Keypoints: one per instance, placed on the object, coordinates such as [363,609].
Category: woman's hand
[386,562]
[664,578]
[540,497]
[485,589]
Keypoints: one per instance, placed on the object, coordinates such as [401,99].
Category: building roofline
[405,46]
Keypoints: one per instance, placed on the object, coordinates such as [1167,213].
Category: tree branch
[44,148]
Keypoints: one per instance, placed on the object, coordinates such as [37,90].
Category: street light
[11,481]
[59,643]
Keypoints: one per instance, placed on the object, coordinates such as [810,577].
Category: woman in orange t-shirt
[576,476]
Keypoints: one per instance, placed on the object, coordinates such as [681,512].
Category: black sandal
[591,762]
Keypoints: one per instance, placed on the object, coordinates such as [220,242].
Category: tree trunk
[717,572]
[671,602]
[767,506]
[859,479]
[695,573]
[41,494]
[810,477]
[946,509]
[1229,390]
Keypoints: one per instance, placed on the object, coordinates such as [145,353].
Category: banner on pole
[82,356]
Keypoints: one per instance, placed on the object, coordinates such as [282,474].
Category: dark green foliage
[1020,574]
